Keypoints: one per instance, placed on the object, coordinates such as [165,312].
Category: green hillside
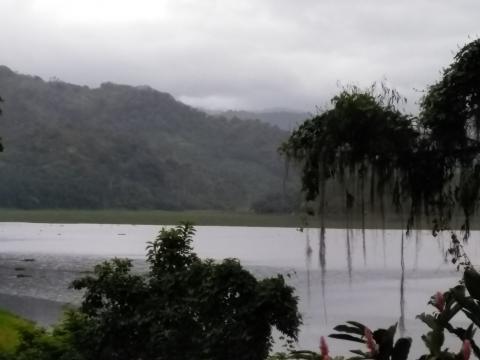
[117,146]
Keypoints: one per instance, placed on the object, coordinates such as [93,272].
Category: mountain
[118,146]
[284,119]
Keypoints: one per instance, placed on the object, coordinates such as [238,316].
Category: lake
[38,261]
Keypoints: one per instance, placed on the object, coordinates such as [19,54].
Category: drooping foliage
[427,164]
[363,136]
[451,107]
[451,118]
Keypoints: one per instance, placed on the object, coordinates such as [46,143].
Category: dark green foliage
[184,308]
[386,346]
[38,344]
[299,355]
[472,282]
[451,108]
[128,147]
[451,118]
[359,129]
[362,138]
[453,302]
[428,164]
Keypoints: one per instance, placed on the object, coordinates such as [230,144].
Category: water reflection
[348,246]
[364,244]
[402,285]
[308,261]
[323,269]
[384,246]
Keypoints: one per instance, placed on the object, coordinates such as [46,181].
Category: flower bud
[324,349]
[466,349]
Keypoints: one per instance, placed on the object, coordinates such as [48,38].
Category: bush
[183,308]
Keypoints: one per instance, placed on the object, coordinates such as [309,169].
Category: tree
[183,308]
[429,164]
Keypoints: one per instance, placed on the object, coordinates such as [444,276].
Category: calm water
[357,283]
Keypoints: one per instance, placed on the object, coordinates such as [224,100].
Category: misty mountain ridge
[285,119]
[120,146]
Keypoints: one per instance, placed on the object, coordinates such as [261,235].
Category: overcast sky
[238,54]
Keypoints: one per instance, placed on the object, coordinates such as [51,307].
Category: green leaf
[401,349]
[472,282]
[358,325]
[434,341]
[429,320]
[346,337]
[305,355]
[349,329]
[360,352]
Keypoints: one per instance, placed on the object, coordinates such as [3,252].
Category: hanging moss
[427,164]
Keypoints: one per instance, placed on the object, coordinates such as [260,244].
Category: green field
[9,330]
[199,217]
[150,217]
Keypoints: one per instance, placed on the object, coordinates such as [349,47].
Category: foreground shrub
[183,308]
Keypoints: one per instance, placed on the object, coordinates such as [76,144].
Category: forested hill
[116,146]
[284,119]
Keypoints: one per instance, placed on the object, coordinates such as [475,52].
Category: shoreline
[42,312]
[208,218]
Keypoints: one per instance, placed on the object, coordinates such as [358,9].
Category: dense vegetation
[428,164]
[183,308]
[119,146]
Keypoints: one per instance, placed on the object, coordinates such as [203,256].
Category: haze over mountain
[292,54]
[283,118]
[120,146]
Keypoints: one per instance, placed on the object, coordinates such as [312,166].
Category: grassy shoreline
[149,217]
[200,217]
[10,325]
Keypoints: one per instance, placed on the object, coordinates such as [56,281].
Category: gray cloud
[250,54]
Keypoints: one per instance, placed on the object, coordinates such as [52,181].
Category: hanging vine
[428,165]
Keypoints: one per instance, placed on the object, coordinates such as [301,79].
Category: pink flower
[324,349]
[466,349]
[371,344]
[439,301]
